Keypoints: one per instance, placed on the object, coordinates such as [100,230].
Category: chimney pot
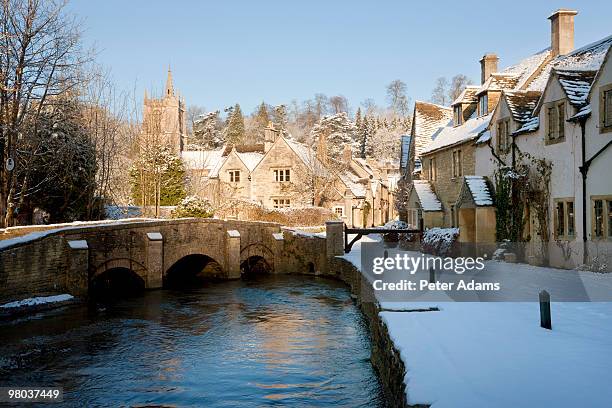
[562,31]
[488,65]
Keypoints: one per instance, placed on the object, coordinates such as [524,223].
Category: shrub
[439,241]
[292,217]
[193,206]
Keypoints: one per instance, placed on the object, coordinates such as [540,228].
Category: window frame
[605,95]
[606,218]
[458,111]
[457,163]
[282,175]
[556,112]
[432,169]
[339,207]
[483,104]
[281,202]
[564,235]
[234,176]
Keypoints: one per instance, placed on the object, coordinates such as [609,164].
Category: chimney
[270,135]
[347,154]
[562,31]
[488,65]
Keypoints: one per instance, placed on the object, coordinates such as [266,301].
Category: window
[458,115]
[609,218]
[453,216]
[570,219]
[503,135]
[598,218]
[282,175]
[483,105]
[602,217]
[432,169]
[457,164]
[281,203]
[339,211]
[564,219]
[560,219]
[234,176]
[605,109]
[555,122]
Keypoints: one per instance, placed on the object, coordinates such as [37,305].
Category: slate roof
[467,96]
[452,135]
[479,190]
[522,103]
[576,85]
[404,152]
[429,118]
[428,199]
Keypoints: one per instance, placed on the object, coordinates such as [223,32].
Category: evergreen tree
[338,132]
[234,129]
[280,119]
[358,119]
[157,176]
[260,121]
[207,131]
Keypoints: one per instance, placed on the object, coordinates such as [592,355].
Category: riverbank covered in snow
[477,354]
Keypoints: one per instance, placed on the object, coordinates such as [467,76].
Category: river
[273,341]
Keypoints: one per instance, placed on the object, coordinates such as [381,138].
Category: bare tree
[193,113]
[458,84]
[338,104]
[40,59]
[396,95]
[440,93]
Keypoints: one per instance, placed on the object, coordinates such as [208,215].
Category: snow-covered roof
[530,125]
[522,103]
[428,199]
[529,69]
[201,159]
[354,183]
[576,85]
[498,81]
[484,137]
[307,155]
[582,112]
[479,189]
[429,118]
[250,159]
[587,58]
[452,135]
[468,95]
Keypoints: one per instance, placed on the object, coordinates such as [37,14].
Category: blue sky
[224,52]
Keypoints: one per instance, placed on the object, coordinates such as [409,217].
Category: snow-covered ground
[495,354]
[35,301]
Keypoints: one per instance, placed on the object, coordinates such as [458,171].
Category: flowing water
[274,341]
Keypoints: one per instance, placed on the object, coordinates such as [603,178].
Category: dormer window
[503,135]
[483,104]
[458,115]
[555,122]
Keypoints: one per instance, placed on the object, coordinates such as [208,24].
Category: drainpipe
[584,169]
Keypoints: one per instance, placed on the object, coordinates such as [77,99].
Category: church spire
[169,86]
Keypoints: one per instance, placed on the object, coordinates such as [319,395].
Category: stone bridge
[71,260]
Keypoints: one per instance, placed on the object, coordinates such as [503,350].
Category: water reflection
[287,341]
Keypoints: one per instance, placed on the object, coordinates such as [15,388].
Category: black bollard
[432,275]
[545,319]
[386,255]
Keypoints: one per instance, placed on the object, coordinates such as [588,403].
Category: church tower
[164,118]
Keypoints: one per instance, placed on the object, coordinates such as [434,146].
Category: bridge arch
[256,258]
[192,269]
[118,278]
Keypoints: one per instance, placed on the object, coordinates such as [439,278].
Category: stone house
[283,173]
[561,117]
